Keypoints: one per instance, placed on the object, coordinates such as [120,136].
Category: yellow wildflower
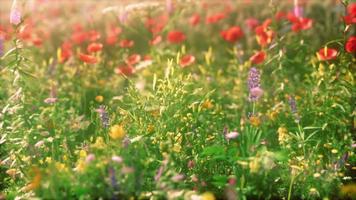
[273,115]
[117,132]
[48,160]
[282,135]
[99,98]
[82,153]
[177,148]
[255,121]
[80,166]
[60,166]
[254,165]
[99,143]
[316,175]
[207,196]
[150,128]
[207,104]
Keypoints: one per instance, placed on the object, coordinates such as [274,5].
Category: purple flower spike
[254,84]
[103,115]
[15,13]
[293,107]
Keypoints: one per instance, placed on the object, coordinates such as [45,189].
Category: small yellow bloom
[282,135]
[316,175]
[254,165]
[80,166]
[117,132]
[177,148]
[207,104]
[334,151]
[82,154]
[60,166]
[207,196]
[99,143]
[48,160]
[255,121]
[150,128]
[273,115]
[99,98]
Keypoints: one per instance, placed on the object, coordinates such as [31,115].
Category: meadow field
[177,99]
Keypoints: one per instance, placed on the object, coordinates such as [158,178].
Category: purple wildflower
[298,10]
[123,16]
[293,107]
[104,117]
[254,84]
[169,6]
[15,13]
[113,182]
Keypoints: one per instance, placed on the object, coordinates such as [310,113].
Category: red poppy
[187,60]
[156,25]
[112,34]
[215,18]
[194,19]
[88,58]
[126,43]
[93,35]
[79,37]
[157,39]
[66,52]
[133,59]
[147,57]
[25,32]
[350,45]
[176,37]
[280,15]
[251,23]
[37,41]
[264,36]
[302,24]
[258,57]
[232,34]
[94,47]
[351,9]
[326,54]
[126,70]
[350,18]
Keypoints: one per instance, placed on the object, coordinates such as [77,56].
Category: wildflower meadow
[177,99]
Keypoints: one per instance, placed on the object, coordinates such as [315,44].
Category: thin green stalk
[290,187]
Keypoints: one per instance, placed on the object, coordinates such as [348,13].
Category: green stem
[290,187]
